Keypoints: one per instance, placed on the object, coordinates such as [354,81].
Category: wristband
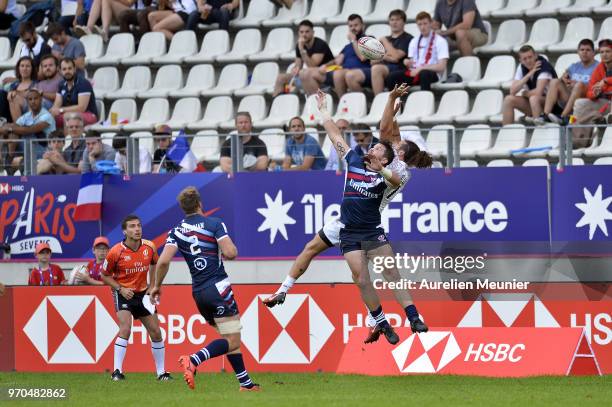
[386,173]
[325,116]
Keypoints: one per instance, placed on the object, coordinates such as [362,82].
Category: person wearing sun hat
[45,273]
[91,273]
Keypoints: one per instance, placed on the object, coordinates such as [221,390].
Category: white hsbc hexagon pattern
[509,309]
[293,332]
[60,329]
[418,347]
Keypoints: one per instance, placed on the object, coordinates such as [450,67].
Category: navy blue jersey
[363,193]
[196,238]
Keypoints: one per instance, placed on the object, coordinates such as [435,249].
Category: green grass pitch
[315,389]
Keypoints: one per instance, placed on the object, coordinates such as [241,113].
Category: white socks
[159,351]
[286,286]
[120,349]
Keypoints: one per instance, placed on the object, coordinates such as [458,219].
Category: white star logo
[276,217]
[595,212]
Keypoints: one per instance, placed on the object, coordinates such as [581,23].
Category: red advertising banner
[73,328]
[503,352]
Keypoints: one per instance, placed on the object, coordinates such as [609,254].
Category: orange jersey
[130,267]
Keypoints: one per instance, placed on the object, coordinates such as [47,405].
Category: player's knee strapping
[229,327]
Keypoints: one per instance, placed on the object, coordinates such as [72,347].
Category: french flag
[89,200]
[181,154]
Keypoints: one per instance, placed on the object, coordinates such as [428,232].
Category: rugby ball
[371,48]
[72,276]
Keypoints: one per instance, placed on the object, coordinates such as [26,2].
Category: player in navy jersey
[362,236]
[200,240]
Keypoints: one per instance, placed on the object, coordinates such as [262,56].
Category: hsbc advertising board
[73,328]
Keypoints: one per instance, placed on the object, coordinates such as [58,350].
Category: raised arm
[387,124]
[163,265]
[333,132]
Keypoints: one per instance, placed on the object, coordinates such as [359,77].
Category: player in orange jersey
[126,269]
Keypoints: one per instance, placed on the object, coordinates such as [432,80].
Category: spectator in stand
[120,146]
[395,45]
[34,46]
[302,152]
[310,52]
[65,46]
[105,10]
[26,79]
[596,106]
[161,163]
[95,150]
[82,14]
[363,138]
[137,16]
[45,273]
[464,27]
[55,146]
[334,72]
[36,124]
[571,86]
[213,11]
[427,57]
[74,94]
[50,80]
[254,151]
[332,161]
[172,17]
[92,274]
[529,87]
[8,13]
[70,159]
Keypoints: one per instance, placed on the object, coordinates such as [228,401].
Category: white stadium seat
[338,39]
[201,77]
[105,80]
[378,30]
[12,61]
[605,31]
[310,114]
[437,140]
[603,161]
[476,137]
[468,164]
[515,8]
[219,109]
[487,103]
[536,162]
[101,111]
[575,30]
[152,45]
[137,79]
[154,111]
[94,46]
[469,69]
[582,7]
[283,108]
[361,7]
[10,73]
[485,7]
[232,77]
[259,10]
[381,11]
[184,44]
[577,161]
[5,48]
[546,136]
[205,145]
[119,47]
[320,10]
[145,140]
[126,112]
[215,43]
[564,61]
[606,9]
[262,80]
[548,8]
[278,42]
[186,111]
[510,137]
[352,106]
[419,104]
[416,6]
[454,103]
[376,109]
[168,78]
[544,32]
[509,34]
[500,162]
[604,148]
[500,69]
[254,104]
[246,42]
[275,141]
[321,33]
[286,17]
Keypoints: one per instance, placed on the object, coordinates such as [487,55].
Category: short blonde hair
[189,199]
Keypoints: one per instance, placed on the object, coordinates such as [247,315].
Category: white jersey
[401,169]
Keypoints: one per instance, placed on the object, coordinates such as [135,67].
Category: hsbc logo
[4,188]
[293,333]
[428,353]
[71,329]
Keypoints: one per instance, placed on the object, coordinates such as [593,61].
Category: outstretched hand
[322,101]
[399,91]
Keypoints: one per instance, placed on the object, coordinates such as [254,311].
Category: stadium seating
[515,9]
[320,10]
[581,7]
[337,39]
[137,79]
[544,32]
[548,7]
[154,110]
[186,111]
[606,30]
[205,146]
[487,103]
[94,47]
[152,45]
[278,42]
[286,17]
[254,104]
[510,137]
[201,77]
[119,47]
[247,42]
[454,103]
[603,161]
[169,78]
[105,81]
[184,44]
[536,162]
[262,80]
[419,104]
[126,113]
[564,61]
[275,141]
[468,164]
[510,33]
[215,43]
[416,6]
[310,114]
[542,137]
[500,162]
[11,61]
[361,7]
[605,9]
[232,77]
[376,109]
[381,11]
[475,138]
[604,148]
[352,106]
[486,7]
[378,30]
[437,140]
[576,29]
[259,10]
[145,140]
[219,109]
[468,68]
[283,108]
